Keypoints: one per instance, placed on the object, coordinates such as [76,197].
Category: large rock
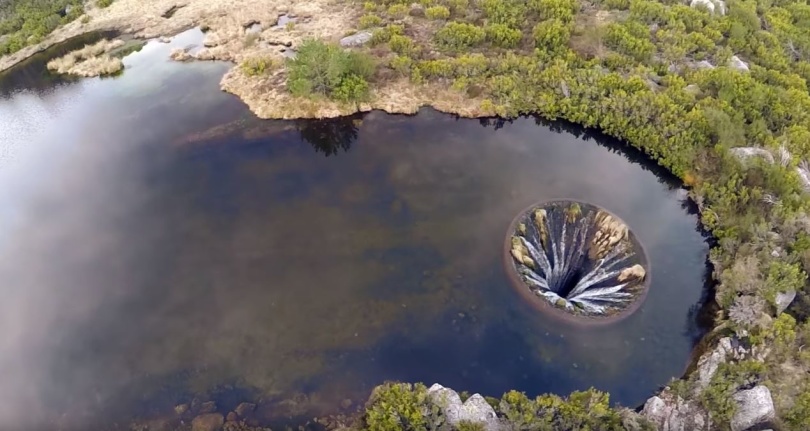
[754,408]
[783,300]
[357,39]
[475,409]
[714,6]
[737,64]
[208,422]
[671,413]
[708,363]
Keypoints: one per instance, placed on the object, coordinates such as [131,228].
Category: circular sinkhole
[576,261]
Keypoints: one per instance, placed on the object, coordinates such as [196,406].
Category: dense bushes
[26,22]
[457,36]
[437,12]
[405,407]
[327,70]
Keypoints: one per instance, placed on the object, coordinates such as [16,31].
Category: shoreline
[686,151]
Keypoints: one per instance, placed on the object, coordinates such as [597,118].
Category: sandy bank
[238,30]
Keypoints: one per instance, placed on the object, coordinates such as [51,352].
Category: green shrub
[398,406]
[511,13]
[562,10]
[369,7]
[367,21]
[621,38]
[384,35]
[502,35]
[257,66]
[351,88]
[456,35]
[437,12]
[328,70]
[458,7]
[402,45]
[551,35]
[397,11]
[402,65]
[103,3]
[798,417]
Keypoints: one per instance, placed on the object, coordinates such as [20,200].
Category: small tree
[328,70]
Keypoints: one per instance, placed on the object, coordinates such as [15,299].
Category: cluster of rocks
[474,410]
[205,417]
[754,406]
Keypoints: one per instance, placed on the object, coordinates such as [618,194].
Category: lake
[161,244]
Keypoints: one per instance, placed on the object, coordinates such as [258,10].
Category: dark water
[158,243]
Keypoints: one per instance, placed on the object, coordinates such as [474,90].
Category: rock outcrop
[671,413]
[754,409]
[474,410]
[783,300]
[357,39]
[714,6]
[727,348]
[737,64]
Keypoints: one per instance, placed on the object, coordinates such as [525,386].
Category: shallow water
[160,243]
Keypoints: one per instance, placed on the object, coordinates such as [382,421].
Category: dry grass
[92,60]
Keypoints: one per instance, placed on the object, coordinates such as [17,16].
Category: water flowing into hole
[580,259]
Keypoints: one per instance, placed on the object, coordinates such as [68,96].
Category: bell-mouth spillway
[576,261]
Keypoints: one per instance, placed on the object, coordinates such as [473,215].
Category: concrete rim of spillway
[547,308]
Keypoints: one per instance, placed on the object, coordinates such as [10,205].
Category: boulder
[671,413]
[745,152]
[692,89]
[474,410]
[737,64]
[714,6]
[208,407]
[754,408]
[357,39]
[703,64]
[727,348]
[208,422]
[783,300]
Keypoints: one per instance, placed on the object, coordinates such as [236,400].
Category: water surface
[160,243]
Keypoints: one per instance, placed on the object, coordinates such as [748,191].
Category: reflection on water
[159,243]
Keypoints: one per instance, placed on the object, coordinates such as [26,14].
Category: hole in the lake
[578,259]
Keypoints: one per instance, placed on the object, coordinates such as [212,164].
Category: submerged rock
[754,408]
[357,39]
[475,409]
[208,407]
[208,422]
[180,409]
[244,409]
